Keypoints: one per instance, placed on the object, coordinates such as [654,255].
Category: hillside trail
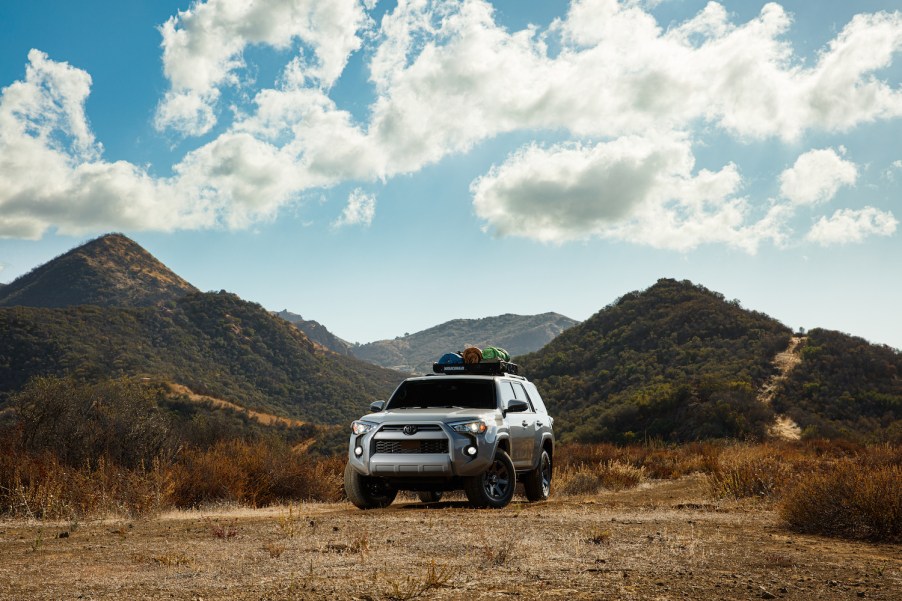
[784,427]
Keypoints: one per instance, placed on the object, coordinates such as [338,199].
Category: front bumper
[387,452]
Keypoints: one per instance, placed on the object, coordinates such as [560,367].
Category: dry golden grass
[665,540]
[853,499]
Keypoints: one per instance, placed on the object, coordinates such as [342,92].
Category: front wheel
[494,488]
[537,483]
[367,492]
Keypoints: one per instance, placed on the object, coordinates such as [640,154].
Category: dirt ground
[665,540]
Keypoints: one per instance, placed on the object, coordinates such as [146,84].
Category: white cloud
[849,225]
[52,175]
[445,77]
[360,210]
[640,190]
[816,176]
[203,47]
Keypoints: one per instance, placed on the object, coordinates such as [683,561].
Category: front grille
[411,446]
[419,427]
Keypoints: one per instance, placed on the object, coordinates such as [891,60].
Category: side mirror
[376,406]
[517,406]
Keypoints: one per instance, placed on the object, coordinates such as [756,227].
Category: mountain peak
[112,270]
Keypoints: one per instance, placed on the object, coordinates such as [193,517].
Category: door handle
[525,423]
[539,424]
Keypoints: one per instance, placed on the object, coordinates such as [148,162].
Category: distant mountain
[317,332]
[110,271]
[415,353]
[127,315]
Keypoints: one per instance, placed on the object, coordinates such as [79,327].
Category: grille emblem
[410,430]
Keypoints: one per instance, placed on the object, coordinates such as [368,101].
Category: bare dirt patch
[783,428]
[662,540]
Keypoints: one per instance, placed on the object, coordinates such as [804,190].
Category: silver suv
[479,428]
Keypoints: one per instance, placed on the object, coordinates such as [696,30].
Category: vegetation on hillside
[108,271]
[845,387]
[676,362]
[214,343]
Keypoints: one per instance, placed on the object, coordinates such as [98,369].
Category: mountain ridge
[111,270]
[317,332]
[415,353]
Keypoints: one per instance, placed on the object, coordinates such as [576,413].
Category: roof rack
[481,368]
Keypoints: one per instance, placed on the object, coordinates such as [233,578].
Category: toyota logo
[410,430]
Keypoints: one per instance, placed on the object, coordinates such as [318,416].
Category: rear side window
[536,398]
[444,392]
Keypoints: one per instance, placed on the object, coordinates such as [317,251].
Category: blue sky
[382,167]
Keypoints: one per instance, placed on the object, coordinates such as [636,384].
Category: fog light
[471,450]
[358,451]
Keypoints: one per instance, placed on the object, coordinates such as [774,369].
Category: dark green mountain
[675,362]
[846,387]
[214,343]
[317,332]
[125,314]
[108,271]
[415,353]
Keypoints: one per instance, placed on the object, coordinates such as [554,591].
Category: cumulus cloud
[360,210]
[642,190]
[850,225]
[52,173]
[203,47]
[445,76]
[816,176]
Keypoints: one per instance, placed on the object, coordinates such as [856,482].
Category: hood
[435,414]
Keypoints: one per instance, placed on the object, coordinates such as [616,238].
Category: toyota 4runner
[477,427]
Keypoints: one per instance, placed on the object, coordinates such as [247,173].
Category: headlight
[477,427]
[360,427]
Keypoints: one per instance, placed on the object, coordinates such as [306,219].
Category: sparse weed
[497,555]
[172,561]
[275,550]
[225,531]
[598,536]
[435,577]
[292,524]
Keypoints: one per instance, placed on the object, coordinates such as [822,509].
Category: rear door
[521,436]
[527,422]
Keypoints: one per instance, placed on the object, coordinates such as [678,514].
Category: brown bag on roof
[472,354]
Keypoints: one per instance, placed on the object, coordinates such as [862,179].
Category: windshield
[444,392]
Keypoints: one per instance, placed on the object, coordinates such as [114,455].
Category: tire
[366,492]
[494,488]
[430,496]
[537,483]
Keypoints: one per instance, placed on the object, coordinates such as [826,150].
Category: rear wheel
[430,496]
[537,483]
[494,488]
[366,492]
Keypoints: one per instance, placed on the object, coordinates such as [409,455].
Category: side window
[521,394]
[536,398]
